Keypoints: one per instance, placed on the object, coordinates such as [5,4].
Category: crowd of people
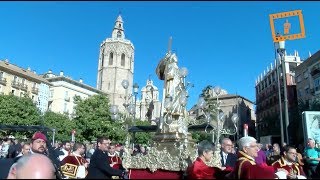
[246,159]
[252,161]
[102,159]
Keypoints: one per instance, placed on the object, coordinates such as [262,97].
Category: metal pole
[279,96]
[135,105]
[286,113]
[218,120]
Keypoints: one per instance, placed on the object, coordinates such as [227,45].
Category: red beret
[39,135]
[118,145]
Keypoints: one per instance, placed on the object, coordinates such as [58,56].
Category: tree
[143,137]
[18,111]
[61,123]
[92,119]
[199,136]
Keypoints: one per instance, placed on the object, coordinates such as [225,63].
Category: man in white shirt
[25,150]
[66,146]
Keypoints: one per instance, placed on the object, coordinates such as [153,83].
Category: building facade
[267,95]
[149,106]
[63,91]
[24,82]
[116,63]
[233,104]
[308,79]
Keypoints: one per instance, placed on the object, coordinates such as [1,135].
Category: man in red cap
[38,143]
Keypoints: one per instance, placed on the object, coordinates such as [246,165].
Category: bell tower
[116,63]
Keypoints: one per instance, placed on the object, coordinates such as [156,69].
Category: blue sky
[221,43]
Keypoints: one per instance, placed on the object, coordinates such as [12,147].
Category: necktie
[225,158]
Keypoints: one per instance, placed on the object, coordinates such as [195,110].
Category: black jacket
[231,160]
[99,167]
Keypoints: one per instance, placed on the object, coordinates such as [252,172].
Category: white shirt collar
[224,154]
[287,162]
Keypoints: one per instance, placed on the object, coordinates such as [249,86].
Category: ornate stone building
[116,63]
[149,106]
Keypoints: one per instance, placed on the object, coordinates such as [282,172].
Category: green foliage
[61,123]
[200,136]
[211,102]
[18,111]
[92,118]
[143,137]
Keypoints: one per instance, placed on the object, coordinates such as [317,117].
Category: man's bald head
[34,166]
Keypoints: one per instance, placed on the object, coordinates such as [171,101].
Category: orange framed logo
[286,35]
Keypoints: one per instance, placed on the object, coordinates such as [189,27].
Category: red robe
[71,163]
[115,159]
[199,170]
[294,167]
[246,168]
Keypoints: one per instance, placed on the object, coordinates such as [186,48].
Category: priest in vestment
[288,162]
[246,167]
[74,166]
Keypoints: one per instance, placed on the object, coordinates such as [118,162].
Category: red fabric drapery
[159,174]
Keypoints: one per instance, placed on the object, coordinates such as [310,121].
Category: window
[118,34]
[111,59]
[100,81]
[21,94]
[1,75]
[23,81]
[15,79]
[316,84]
[123,57]
[305,74]
[306,89]
[66,94]
[51,94]
[108,85]
[102,59]
[32,97]
[13,91]
[65,107]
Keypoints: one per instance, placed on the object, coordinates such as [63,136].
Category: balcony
[23,87]
[35,90]
[3,81]
[15,84]
[315,70]
[67,99]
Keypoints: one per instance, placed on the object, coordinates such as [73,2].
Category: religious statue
[173,111]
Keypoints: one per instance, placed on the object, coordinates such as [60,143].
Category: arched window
[123,58]
[102,59]
[111,59]
[118,34]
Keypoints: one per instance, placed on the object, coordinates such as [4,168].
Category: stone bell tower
[116,63]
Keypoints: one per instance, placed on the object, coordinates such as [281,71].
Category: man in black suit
[99,167]
[228,159]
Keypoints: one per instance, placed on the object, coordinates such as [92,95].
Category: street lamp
[281,51]
[218,124]
[135,91]
[130,108]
